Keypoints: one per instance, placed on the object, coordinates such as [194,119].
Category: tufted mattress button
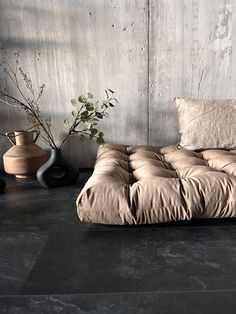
[142,184]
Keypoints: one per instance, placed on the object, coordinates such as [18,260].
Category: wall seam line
[148,70]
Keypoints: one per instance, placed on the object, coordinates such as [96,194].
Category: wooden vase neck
[24,137]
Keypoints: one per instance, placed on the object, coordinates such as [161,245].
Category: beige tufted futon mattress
[144,184]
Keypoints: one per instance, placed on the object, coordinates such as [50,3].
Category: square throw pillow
[207,123]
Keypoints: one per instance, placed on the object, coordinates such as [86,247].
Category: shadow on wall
[21,43]
[52,16]
[74,150]
[29,27]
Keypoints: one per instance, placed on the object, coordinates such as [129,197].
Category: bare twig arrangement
[85,115]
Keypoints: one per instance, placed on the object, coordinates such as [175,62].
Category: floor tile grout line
[122,293]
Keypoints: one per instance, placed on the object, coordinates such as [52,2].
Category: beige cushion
[141,184]
[207,123]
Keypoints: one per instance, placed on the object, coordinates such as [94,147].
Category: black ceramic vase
[57,171]
[2,185]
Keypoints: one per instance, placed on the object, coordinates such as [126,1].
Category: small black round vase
[2,185]
[57,171]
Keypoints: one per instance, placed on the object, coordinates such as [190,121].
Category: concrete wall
[148,51]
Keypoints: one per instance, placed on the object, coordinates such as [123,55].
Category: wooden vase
[25,157]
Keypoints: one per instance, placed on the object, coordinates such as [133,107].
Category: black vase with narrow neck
[57,171]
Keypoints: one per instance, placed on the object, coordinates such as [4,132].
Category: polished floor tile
[135,261]
[39,215]
[30,189]
[18,254]
[50,262]
[26,206]
[222,302]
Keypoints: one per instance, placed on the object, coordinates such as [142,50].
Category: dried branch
[86,112]
[30,105]
[49,140]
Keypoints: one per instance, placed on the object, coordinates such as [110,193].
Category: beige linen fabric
[207,123]
[141,184]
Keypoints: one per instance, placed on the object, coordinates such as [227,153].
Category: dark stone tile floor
[50,262]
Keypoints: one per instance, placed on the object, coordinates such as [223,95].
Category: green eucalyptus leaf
[73,102]
[84,114]
[90,95]
[94,131]
[100,140]
[97,107]
[111,104]
[99,115]
[89,106]
[88,125]
[82,99]
[106,114]
[74,113]
[66,123]
[111,91]
[105,104]
[100,134]
[82,137]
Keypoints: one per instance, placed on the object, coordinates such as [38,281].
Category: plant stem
[72,128]
[77,121]
[38,116]
[64,139]
[6,102]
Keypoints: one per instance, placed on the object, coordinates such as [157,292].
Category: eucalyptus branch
[65,139]
[88,113]
[87,133]
[72,128]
